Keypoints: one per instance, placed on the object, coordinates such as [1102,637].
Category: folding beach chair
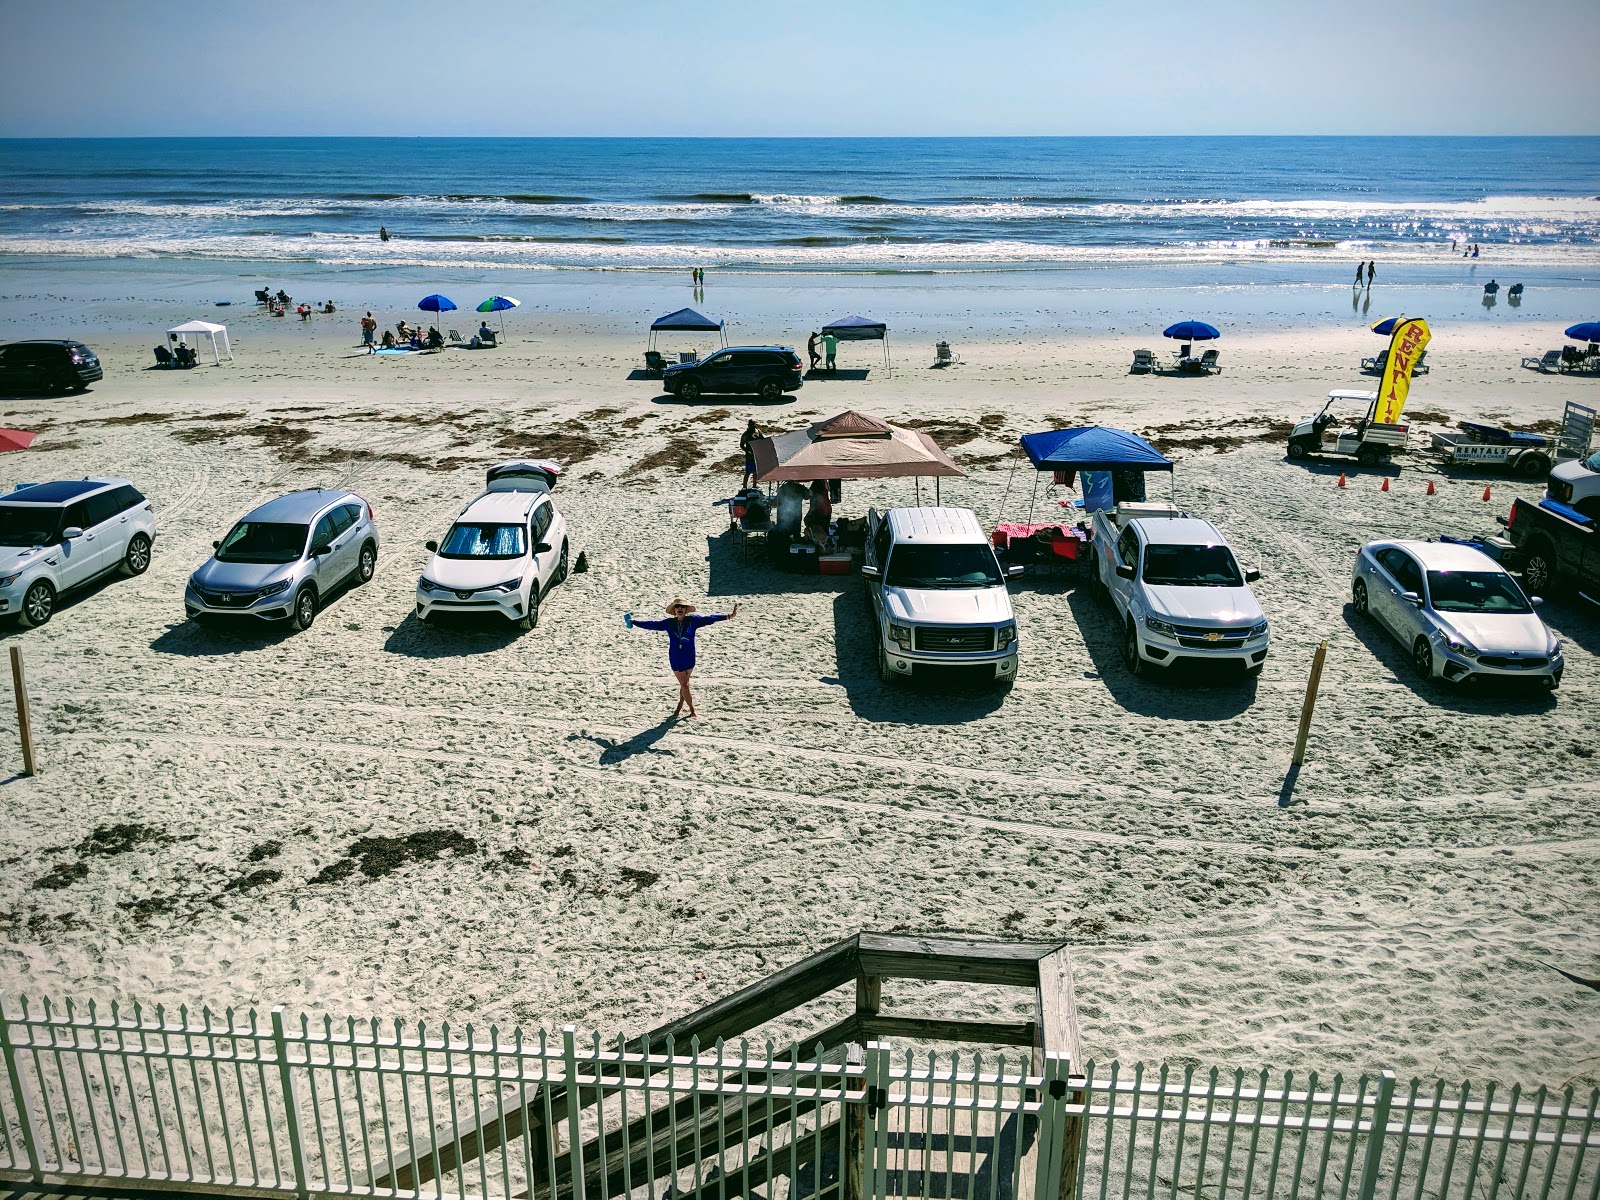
[1549,361]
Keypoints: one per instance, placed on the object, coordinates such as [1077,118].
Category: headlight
[1155,626]
[1465,649]
[1555,645]
[510,585]
[10,579]
[1008,634]
[1258,629]
[275,589]
[425,584]
[900,635]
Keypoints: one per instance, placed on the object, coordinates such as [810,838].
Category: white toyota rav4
[503,552]
[55,537]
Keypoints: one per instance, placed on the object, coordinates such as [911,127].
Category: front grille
[964,639]
[1192,638]
[1505,662]
[228,599]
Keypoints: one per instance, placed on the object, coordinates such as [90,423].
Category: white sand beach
[587,861]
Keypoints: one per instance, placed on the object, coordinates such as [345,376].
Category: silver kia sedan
[1459,613]
[283,560]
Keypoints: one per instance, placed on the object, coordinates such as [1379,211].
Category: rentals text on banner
[1405,347]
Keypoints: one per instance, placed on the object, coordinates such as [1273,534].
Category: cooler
[834,564]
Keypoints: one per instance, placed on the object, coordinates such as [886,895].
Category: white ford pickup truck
[938,594]
[1178,590]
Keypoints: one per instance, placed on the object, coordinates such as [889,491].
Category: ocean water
[873,205]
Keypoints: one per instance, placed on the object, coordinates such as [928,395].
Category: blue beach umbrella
[499,304]
[1585,331]
[1386,326]
[436,304]
[1191,331]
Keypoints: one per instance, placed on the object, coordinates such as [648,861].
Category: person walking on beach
[1360,268]
[830,347]
[1372,272]
[680,627]
[811,350]
[751,433]
[369,332]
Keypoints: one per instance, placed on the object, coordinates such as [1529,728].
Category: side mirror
[1536,601]
[319,551]
[868,572]
[1015,572]
[542,548]
[430,544]
[1252,575]
[72,531]
[1412,599]
[1124,571]
[216,545]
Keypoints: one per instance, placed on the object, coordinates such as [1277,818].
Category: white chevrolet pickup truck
[1179,591]
[938,594]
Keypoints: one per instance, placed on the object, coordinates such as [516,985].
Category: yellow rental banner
[1405,347]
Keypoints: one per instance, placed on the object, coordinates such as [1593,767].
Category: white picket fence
[226,1104]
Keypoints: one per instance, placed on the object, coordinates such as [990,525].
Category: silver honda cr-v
[282,561]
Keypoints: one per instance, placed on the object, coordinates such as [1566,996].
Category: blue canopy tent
[685,320]
[1113,462]
[860,329]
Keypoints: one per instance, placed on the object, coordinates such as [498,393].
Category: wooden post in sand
[1310,704]
[19,684]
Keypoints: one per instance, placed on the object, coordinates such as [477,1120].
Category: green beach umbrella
[499,304]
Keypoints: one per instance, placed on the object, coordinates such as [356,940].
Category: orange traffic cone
[1486,493]
[1384,487]
[1432,491]
[1341,482]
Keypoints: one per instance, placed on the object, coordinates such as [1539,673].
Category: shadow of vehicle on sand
[1479,696]
[723,399]
[452,635]
[1186,691]
[222,634]
[743,568]
[11,627]
[944,699]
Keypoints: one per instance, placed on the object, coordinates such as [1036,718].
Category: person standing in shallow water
[1360,270]
[680,627]
[1372,272]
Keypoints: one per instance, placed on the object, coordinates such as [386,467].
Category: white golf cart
[1366,440]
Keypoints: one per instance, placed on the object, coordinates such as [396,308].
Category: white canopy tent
[198,330]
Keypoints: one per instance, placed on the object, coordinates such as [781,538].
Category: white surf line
[1588,846]
[1092,788]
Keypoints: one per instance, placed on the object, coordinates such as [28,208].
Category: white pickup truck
[938,594]
[1179,591]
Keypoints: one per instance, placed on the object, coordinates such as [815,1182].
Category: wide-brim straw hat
[675,602]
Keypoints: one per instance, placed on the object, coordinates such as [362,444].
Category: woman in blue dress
[680,627]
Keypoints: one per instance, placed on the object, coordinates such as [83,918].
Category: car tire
[770,389]
[1539,569]
[1422,658]
[563,567]
[1298,449]
[1533,466]
[1368,458]
[38,604]
[304,611]
[1359,598]
[689,390]
[530,620]
[885,674]
[1131,658]
[366,564]
[136,559]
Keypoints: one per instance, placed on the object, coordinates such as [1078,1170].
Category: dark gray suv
[765,371]
[44,366]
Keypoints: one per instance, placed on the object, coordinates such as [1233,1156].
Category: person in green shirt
[830,347]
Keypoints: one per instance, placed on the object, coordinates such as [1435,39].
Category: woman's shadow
[613,752]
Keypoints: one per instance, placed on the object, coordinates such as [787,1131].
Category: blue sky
[718,68]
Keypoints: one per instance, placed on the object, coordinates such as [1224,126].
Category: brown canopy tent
[851,445]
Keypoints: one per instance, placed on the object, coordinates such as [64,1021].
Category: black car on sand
[765,371]
[46,366]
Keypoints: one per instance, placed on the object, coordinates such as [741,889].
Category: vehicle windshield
[1191,566]
[943,567]
[29,525]
[1476,592]
[483,541]
[263,542]
[1592,463]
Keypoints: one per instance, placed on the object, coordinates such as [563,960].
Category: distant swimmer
[383,233]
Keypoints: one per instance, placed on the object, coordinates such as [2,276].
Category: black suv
[765,371]
[44,366]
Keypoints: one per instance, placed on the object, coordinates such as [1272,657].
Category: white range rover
[503,551]
[58,537]
[939,594]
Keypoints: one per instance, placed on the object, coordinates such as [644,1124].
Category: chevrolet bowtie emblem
[1213,636]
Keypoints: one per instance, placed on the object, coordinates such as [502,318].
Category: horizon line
[684,137]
